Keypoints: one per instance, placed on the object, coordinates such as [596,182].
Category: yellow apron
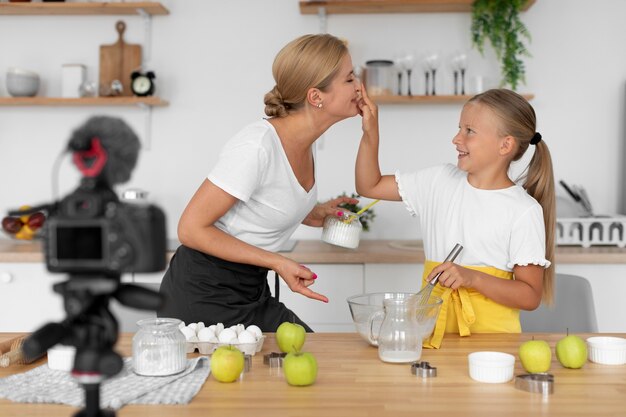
[465,310]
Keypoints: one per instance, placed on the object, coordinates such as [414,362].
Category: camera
[92,231]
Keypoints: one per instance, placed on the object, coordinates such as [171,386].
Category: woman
[262,187]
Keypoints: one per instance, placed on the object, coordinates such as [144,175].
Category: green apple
[290,337]
[535,356]
[227,363]
[300,369]
[571,351]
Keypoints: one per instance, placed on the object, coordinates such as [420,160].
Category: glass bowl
[363,306]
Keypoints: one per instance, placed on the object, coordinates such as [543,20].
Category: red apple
[36,220]
[11,225]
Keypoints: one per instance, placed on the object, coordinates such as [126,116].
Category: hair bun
[274,104]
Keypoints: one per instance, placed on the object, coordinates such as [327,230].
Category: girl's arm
[524,292]
[369,181]
[196,230]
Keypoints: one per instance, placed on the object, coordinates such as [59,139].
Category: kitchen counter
[368,252]
[352,381]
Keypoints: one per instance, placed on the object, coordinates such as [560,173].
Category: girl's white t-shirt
[497,228]
[254,168]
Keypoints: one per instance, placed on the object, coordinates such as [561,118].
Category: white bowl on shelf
[607,350]
[491,367]
[22,83]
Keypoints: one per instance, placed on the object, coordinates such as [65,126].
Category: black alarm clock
[142,83]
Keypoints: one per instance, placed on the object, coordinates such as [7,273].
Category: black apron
[200,287]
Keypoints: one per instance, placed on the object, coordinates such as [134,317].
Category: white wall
[213,63]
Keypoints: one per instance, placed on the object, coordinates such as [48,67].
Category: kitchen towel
[45,385]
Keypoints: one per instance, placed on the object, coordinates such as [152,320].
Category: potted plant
[499,21]
[366,218]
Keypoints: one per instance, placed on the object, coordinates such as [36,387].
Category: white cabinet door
[337,282]
[393,277]
[26,298]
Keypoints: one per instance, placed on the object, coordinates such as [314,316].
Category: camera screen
[80,243]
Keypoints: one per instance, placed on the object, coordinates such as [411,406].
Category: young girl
[507,230]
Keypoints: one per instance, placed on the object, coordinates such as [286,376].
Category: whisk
[422,297]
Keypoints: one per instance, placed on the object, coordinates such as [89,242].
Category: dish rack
[591,231]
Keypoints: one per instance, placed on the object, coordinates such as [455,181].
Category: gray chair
[573,309]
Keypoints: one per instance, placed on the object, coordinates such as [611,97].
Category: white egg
[205,334]
[255,330]
[219,328]
[213,327]
[240,328]
[213,339]
[193,339]
[199,326]
[233,328]
[188,332]
[246,337]
[181,325]
[226,336]
[192,326]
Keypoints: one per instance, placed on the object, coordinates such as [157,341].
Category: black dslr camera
[92,231]
[94,237]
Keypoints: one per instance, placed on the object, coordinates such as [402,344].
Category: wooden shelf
[84,9]
[389,6]
[83,101]
[440,99]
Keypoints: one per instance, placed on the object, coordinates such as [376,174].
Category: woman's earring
[319,106]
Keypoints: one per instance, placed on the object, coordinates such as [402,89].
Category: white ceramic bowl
[607,350]
[22,83]
[491,367]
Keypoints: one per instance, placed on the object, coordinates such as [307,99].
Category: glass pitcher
[399,339]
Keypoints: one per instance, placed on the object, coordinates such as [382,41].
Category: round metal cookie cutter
[423,369]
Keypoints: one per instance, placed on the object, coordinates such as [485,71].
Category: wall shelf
[389,6]
[83,101]
[77,9]
[439,99]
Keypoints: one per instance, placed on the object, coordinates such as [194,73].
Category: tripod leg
[92,403]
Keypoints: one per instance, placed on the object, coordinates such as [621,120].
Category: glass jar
[159,347]
[399,339]
[379,76]
[342,231]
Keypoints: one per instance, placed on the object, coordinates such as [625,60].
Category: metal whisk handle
[450,258]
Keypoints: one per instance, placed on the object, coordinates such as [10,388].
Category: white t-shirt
[498,228]
[254,168]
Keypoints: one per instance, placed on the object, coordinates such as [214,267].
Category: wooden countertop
[369,251]
[352,381]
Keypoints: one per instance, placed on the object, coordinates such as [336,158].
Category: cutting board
[119,60]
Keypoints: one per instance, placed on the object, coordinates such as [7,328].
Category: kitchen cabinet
[337,282]
[26,297]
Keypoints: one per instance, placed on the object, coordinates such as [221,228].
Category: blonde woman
[262,187]
[507,230]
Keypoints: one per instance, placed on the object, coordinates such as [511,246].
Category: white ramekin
[61,357]
[607,350]
[491,367]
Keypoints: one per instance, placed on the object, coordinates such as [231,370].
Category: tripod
[92,329]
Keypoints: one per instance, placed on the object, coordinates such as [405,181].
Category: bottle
[159,347]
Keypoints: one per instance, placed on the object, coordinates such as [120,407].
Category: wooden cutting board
[119,60]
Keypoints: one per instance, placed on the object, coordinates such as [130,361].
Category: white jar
[159,347]
[342,232]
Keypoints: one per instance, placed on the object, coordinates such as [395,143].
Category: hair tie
[536,138]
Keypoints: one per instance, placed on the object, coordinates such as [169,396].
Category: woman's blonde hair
[518,120]
[306,62]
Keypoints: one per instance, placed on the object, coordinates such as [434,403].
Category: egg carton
[591,231]
[207,348]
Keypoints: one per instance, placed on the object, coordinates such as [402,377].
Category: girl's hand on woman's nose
[369,111]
